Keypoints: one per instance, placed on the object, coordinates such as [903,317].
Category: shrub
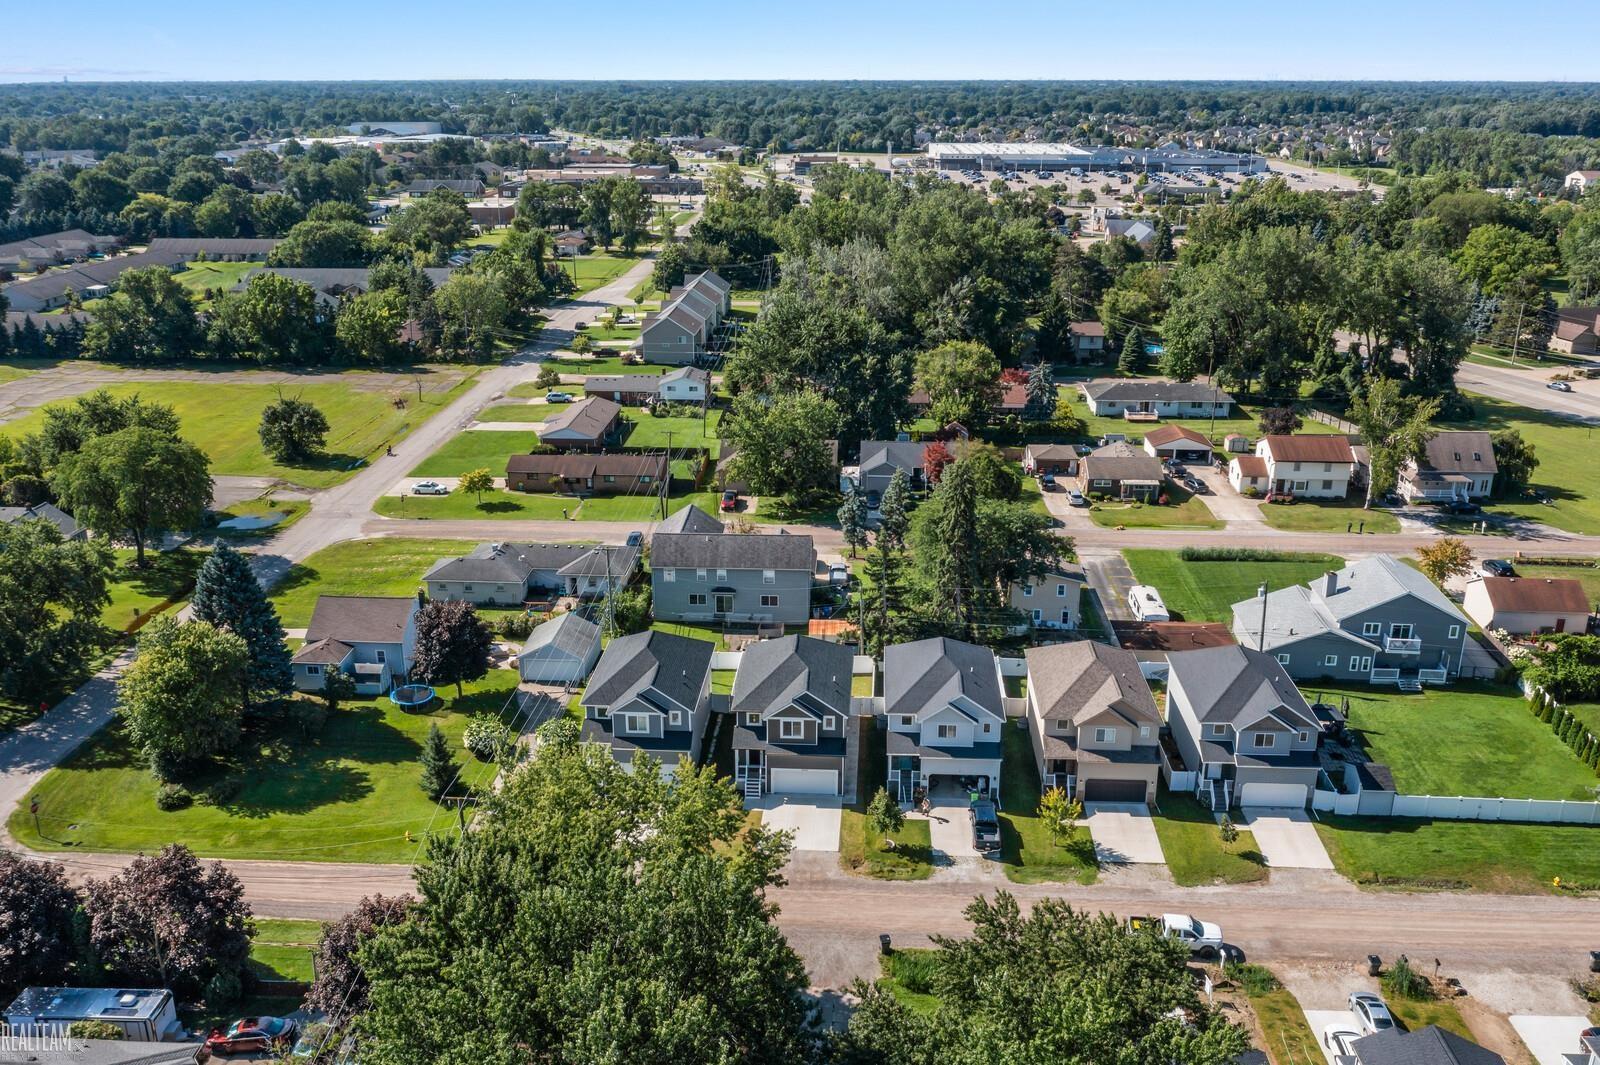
[307,717]
[170,797]
[1402,981]
[1251,554]
[222,989]
[1255,979]
[223,791]
[515,626]
[484,737]
[914,969]
[95,1030]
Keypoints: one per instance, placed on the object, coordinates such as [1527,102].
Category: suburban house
[1457,464]
[570,243]
[732,577]
[1526,605]
[1088,341]
[1121,471]
[1059,460]
[1309,466]
[586,475]
[1377,620]
[507,574]
[1139,230]
[681,331]
[1165,399]
[1094,724]
[1178,443]
[65,523]
[1242,727]
[682,385]
[878,462]
[650,694]
[1051,601]
[1577,330]
[945,708]
[1432,1045]
[1581,180]
[587,425]
[223,249]
[560,651]
[791,708]
[690,519]
[369,637]
[1248,473]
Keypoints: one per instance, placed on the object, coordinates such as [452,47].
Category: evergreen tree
[438,765]
[853,520]
[1052,338]
[227,594]
[885,597]
[1131,360]
[1041,392]
[953,565]
[1161,249]
[894,511]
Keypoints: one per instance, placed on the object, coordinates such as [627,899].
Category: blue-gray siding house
[371,638]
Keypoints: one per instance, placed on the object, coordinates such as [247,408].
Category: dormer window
[947,732]
[830,723]
[1264,740]
[790,729]
[1216,730]
[752,719]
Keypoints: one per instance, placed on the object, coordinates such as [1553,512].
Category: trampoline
[411,695]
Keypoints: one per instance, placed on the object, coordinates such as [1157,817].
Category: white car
[429,488]
[1340,1038]
[1371,1014]
[1075,498]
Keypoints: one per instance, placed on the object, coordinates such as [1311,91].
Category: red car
[730,500]
[258,1034]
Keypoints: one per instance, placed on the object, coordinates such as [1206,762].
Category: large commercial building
[1037,155]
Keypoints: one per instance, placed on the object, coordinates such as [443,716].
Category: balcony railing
[1402,645]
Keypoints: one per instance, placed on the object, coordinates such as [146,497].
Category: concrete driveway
[814,821]
[1551,1040]
[1320,1019]
[1224,502]
[1287,838]
[1123,832]
[950,832]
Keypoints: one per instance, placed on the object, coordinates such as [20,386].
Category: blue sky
[92,40]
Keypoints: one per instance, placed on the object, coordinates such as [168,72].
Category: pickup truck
[1201,937]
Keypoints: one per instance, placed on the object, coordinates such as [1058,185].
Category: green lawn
[519,412]
[676,433]
[1479,855]
[1206,591]
[282,949]
[475,449]
[348,794]
[597,331]
[1465,740]
[388,565]
[1191,839]
[1284,1028]
[528,506]
[1183,511]
[138,594]
[13,372]
[1566,473]
[199,276]
[592,271]
[1306,516]
[861,849]
[722,680]
[1246,421]
[907,973]
[221,417]
[1417,1015]
[643,508]
[599,366]
[1030,855]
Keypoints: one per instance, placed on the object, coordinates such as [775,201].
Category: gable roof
[1251,465]
[895,454]
[929,674]
[1431,1045]
[360,618]
[514,563]
[64,522]
[1465,451]
[1376,580]
[215,245]
[1166,434]
[775,673]
[1121,461]
[1310,447]
[580,467]
[725,550]
[653,666]
[590,418]
[1115,390]
[1237,686]
[1523,595]
[1080,680]
[568,633]
[690,519]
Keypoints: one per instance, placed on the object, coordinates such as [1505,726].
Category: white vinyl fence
[1458,807]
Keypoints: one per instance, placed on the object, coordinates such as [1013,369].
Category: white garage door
[1258,794]
[805,781]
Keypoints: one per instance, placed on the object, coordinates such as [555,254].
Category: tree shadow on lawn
[500,506]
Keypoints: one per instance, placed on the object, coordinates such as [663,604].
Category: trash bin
[883,943]
[1594,961]
[1374,965]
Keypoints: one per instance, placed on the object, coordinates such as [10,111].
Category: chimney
[1330,583]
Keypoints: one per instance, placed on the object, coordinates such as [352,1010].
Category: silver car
[1371,1014]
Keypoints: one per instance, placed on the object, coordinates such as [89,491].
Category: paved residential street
[1527,388]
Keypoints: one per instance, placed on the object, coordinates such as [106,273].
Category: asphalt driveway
[814,822]
[1123,833]
[1287,838]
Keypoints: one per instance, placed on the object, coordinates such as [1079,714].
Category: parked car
[558,397]
[1371,1014]
[1075,498]
[1559,386]
[1047,482]
[1498,567]
[429,488]
[635,538]
[729,501]
[985,827]
[1462,506]
[1339,1037]
[1201,937]
[1174,466]
[256,1034]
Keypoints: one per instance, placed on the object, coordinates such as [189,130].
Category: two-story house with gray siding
[370,638]
[1377,621]
[879,461]
[681,332]
[1243,728]
[944,708]
[507,574]
[724,576]
[791,707]
[1094,724]
[650,694]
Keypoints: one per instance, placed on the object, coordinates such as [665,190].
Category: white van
[1146,604]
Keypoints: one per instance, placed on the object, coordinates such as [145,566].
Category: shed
[562,650]
[1525,605]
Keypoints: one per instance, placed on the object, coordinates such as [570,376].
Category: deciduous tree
[885,816]
[781,441]
[1445,558]
[39,924]
[1396,430]
[340,987]
[138,481]
[292,430]
[150,318]
[453,644]
[962,379]
[51,594]
[1516,461]
[181,696]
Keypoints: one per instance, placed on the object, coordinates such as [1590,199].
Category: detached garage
[1178,442]
[563,650]
[1293,796]
[805,781]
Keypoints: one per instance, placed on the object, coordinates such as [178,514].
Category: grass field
[1030,855]
[1440,1011]
[282,949]
[907,973]
[1456,741]
[348,794]
[199,276]
[1191,839]
[222,417]
[1566,473]
[642,508]
[528,506]
[1183,512]
[519,412]
[389,565]
[861,849]
[592,271]
[1307,516]
[475,449]
[14,372]
[1206,591]
[1477,855]
[676,433]
[598,366]
[168,578]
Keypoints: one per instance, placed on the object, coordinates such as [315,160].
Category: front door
[1561,624]
[724,602]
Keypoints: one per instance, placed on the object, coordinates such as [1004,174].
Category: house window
[1305,736]
[635,724]
[700,575]
[1100,482]
[466,587]
[752,719]
[1061,591]
[697,598]
[669,575]
[1027,590]
[1330,660]
[676,718]
[986,728]
[1371,628]
[1401,630]
[644,478]
[608,479]
[907,720]
[1144,732]
[382,656]
[1283,660]
[1265,739]
[722,575]
[1355,663]
[313,671]
[790,729]
[1216,730]
[769,600]
[1105,735]
[769,576]
[1455,632]
[1038,616]
[830,722]
[1327,485]
[1366,664]
[947,732]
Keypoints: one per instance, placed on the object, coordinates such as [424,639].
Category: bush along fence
[1569,728]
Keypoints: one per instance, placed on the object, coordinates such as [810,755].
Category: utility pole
[610,591]
[1516,334]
